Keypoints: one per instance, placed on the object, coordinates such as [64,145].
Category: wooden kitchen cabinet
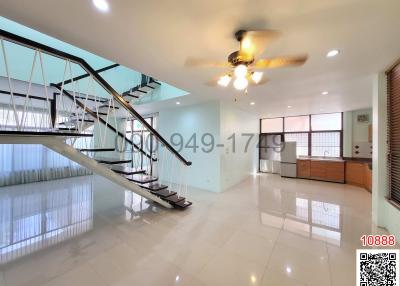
[324,170]
[359,174]
[318,170]
[303,168]
[334,171]
[355,173]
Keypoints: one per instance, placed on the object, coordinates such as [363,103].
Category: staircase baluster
[45,87]
[10,84]
[26,100]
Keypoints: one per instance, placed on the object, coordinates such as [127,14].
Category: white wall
[354,131]
[238,164]
[383,213]
[222,168]
[196,119]
[360,130]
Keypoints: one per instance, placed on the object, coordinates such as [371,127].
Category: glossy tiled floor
[265,231]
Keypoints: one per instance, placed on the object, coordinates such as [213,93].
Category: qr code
[377,267]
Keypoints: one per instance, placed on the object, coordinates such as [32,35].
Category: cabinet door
[317,169]
[334,171]
[355,173]
[303,168]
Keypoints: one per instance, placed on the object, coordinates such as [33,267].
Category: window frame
[310,132]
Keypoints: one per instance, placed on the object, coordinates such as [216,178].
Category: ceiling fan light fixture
[224,80]
[256,76]
[241,71]
[101,5]
[240,83]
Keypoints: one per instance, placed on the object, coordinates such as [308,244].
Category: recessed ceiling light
[177,103]
[101,5]
[288,269]
[332,53]
[289,106]
[324,93]
[252,103]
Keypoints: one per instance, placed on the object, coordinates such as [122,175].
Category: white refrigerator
[289,160]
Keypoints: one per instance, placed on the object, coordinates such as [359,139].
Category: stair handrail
[101,120]
[77,60]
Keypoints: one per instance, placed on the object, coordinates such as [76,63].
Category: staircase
[88,125]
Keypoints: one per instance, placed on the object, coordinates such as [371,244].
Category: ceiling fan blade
[198,63]
[280,62]
[254,43]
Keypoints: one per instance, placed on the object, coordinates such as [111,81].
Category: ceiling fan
[243,64]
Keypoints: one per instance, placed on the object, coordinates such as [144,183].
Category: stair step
[146,88]
[76,121]
[141,178]
[163,193]
[182,204]
[130,96]
[153,83]
[111,161]
[98,150]
[154,186]
[126,170]
[174,199]
[106,107]
[94,110]
[45,133]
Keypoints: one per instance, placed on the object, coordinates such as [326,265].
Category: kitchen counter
[354,171]
[333,159]
[321,168]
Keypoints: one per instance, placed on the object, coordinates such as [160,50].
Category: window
[393,78]
[302,142]
[272,125]
[329,121]
[297,124]
[315,135]
[325,144]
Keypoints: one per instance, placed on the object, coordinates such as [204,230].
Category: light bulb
[332,53]
[256,76]
[224,80]
[241,71]
[240,83]
[102,5]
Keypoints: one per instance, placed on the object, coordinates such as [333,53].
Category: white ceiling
[155,37]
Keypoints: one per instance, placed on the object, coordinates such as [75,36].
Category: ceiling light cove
[332,53]
[101,5]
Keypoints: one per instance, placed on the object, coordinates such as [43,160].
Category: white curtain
[22,164]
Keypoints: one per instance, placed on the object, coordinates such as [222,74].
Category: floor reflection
[306,217]
[36,216]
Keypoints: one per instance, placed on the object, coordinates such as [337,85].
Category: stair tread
[78,120]
[97,150]
[163,193]
[141,178]
[173,199]
[126,170]
[182,204]
[45,133]
[106,160]
[106,106]
[154,186]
